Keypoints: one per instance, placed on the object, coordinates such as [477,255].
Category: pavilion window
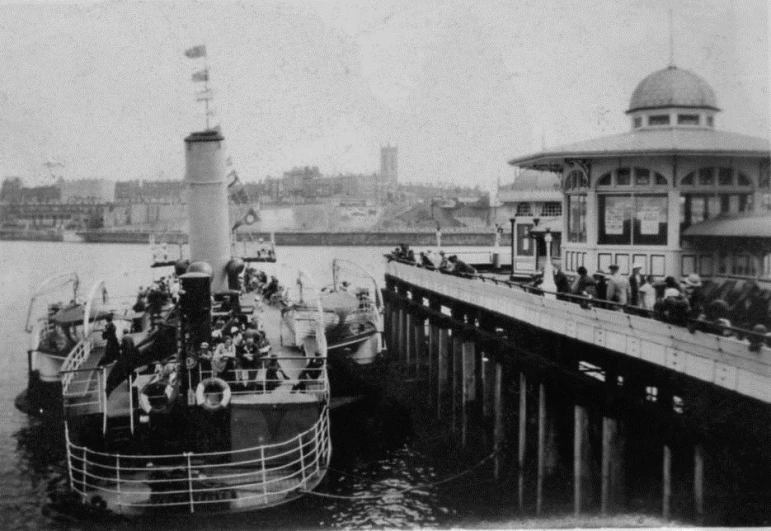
[744,180]
[642,177]
[623,177]
[706,177]
[637,122]
[688,119]
[552,208]
[605,180]
[523,209]
[577,218]
[633,219]
[659,119]
[710,121]
[725,177]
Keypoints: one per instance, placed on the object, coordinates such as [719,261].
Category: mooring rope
[402,491]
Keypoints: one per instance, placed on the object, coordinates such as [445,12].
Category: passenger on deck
[112,348]
[636,280]
[584,285]
[751,309]
[224,358]
[674,307]
[444,263]
[714,319]
[691,288]
[560,279]
[461,268]
[310,373]
[425,261]
[601,287]
[274,375]
[204,356]
[647,294]
[248,360]
[618,287]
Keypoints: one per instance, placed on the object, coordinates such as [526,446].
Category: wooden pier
[593,409]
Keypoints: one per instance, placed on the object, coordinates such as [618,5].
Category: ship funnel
[207,204]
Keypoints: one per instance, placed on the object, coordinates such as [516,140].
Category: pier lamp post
[513,247]
[548,270]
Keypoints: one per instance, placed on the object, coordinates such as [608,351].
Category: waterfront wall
[313,238]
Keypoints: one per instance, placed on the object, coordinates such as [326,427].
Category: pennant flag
[204,95]
[249,218]
[240,197]
[235,180]
[201,75]
[196,51]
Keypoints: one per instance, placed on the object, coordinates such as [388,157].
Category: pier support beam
[468,385]
[612,465]
[442,363]
[457,379]
[407,342]
[580,457]
[433,359]
[498,418]
[698,482]
[541,447]
[419,346]
[402,328]
[522,433]
[666,482]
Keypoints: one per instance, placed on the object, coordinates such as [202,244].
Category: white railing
[249,478]
[253,380]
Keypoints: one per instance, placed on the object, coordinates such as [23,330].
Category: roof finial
[671,41]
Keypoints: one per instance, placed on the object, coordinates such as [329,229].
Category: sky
[103,89]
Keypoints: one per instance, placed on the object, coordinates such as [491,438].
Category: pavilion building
[674,193]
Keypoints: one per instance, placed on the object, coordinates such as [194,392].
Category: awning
[73,315]
[737,227]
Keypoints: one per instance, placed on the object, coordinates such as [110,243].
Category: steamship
[162,424]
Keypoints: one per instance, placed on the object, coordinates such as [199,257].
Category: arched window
[605,180]
[712,192]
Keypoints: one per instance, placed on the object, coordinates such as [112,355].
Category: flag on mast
[196,51]
[248,219]
[201,75]
[234,175]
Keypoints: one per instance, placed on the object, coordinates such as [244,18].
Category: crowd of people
[686,302]
[438,261]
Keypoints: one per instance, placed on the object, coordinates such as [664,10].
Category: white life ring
[157,389]
[204,399]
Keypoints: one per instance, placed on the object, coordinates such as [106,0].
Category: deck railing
[254,380]
[755,339]
[257,476]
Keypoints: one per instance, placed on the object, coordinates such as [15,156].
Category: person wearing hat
[444,264]
[601,285]
[618,286]
[636,279]
[691,287]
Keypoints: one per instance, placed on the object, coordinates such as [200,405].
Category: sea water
[380,475]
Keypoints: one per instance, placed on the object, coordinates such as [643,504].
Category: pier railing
[242,478]
[725,361]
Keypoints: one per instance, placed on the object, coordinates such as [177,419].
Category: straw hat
[692,281]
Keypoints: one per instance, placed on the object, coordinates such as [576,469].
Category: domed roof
[672,87]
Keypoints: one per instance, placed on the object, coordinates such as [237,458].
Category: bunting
[201,75]
[196,51]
